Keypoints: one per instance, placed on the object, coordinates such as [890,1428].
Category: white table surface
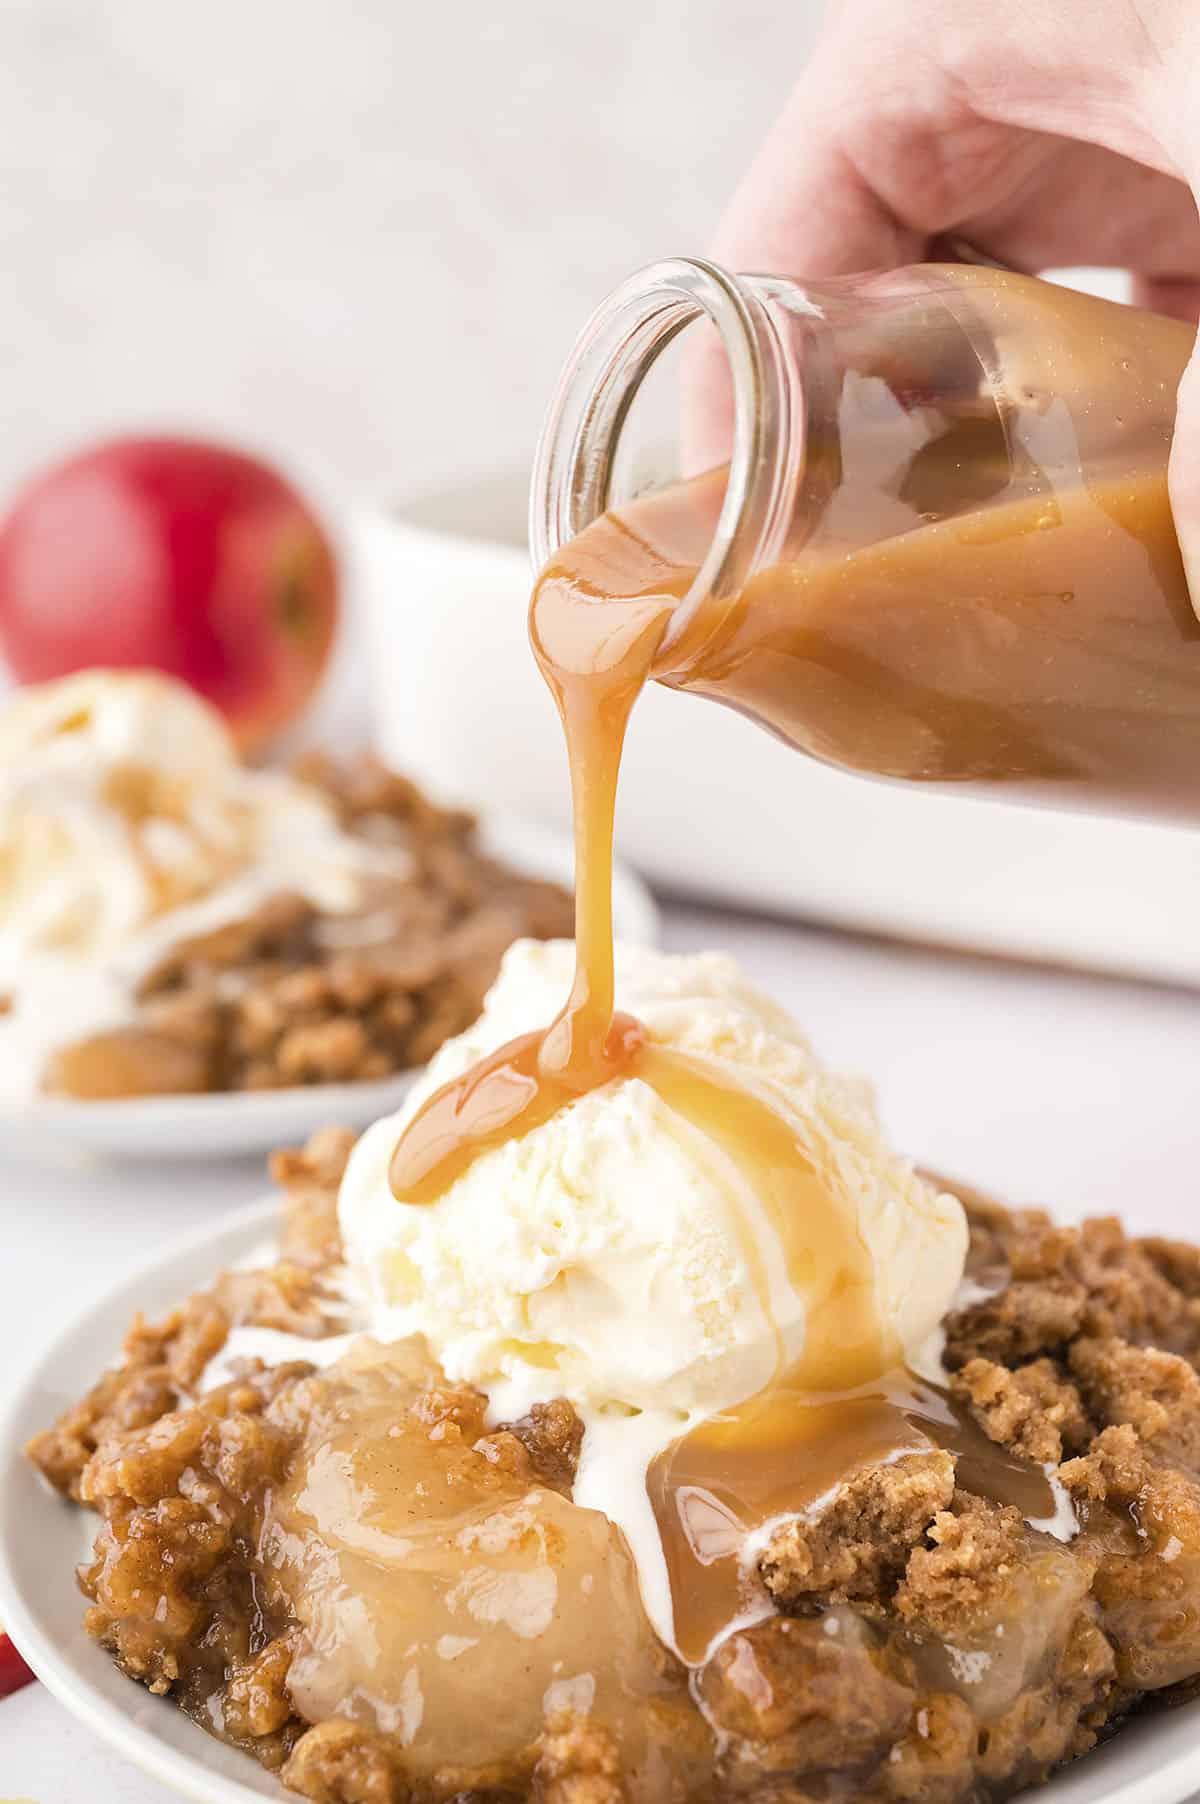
[1077,1092]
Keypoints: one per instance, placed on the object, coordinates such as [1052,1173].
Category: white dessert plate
[43,1539]
[224,1125]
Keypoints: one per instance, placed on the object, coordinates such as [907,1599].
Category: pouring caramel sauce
[991,592]
[1004,630]
[600,619]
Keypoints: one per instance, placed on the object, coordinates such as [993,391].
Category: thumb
[1185,476]
[1178,74]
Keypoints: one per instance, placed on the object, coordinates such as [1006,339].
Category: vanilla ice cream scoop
[613,1254]
[127,824]
[619,1256]
[122,795]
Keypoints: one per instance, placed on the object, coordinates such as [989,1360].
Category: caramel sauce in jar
[844,1402]
[964,597]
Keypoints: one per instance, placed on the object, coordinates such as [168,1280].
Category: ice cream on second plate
[616,1256]
[121,796]
[128,823]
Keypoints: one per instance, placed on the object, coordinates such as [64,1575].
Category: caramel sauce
[1054,651]
[596,622]
[597,660]
[994,634]
[780,1454]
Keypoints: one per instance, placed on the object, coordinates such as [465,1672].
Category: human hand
[1043,132]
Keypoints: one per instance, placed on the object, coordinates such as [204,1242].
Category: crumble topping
[1034,1410]
[930,1645]
[859,1545]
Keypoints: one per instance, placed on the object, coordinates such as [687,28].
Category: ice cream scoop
[128,823]
[122,795]
[617,1255]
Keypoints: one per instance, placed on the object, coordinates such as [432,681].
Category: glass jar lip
[613,353]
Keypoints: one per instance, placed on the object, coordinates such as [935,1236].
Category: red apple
[173,555]
[13,1671]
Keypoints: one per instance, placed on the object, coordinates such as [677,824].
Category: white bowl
[713,807]
[223,1125]
[43,1539]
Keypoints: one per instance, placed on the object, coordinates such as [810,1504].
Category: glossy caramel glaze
[992,622]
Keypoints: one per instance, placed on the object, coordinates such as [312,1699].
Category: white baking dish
[711,806]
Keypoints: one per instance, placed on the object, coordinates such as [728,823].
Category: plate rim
[184,1774]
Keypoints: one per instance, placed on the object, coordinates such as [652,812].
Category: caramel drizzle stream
[597,620]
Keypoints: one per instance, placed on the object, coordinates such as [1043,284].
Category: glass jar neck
[575,477]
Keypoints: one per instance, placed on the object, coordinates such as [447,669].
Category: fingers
[804,207]
[1075,203]
[920,118]
[1004,123]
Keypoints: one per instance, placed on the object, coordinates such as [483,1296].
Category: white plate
[42,1539]
[256,1121]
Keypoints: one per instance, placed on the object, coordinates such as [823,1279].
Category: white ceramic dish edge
[42,1538]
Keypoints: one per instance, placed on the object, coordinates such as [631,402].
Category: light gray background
[358,232]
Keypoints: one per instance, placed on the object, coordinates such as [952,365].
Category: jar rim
[616,349]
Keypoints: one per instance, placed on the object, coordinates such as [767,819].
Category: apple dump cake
[512,1494]
[171,921]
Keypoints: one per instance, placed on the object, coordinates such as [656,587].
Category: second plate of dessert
[201,955]
[253,1121]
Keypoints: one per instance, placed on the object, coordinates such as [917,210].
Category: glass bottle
[938,545]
